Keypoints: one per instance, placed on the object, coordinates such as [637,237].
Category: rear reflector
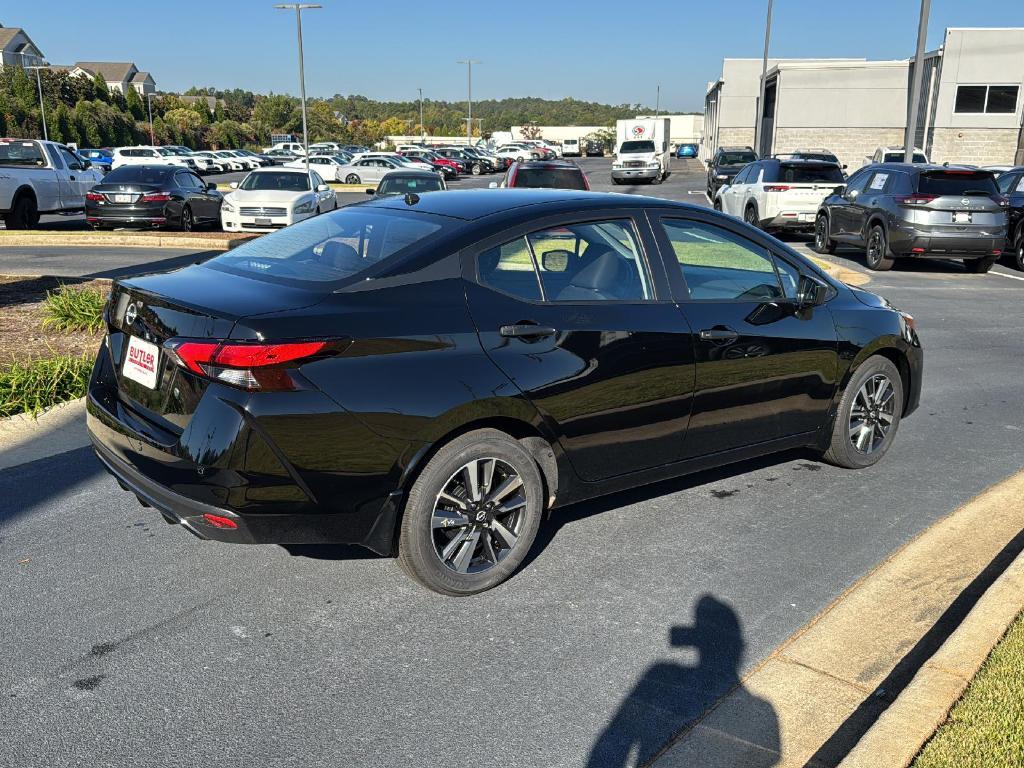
[217,521]
[917,250]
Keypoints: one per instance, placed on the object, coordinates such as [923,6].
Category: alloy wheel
[1019,252]
[874,249]
[478,515]
[820,234]
[186,220]
[872,414]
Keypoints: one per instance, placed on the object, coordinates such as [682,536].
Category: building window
[991,99]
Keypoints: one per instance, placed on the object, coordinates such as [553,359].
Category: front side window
[718,265]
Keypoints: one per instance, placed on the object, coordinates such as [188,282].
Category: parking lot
[129,637]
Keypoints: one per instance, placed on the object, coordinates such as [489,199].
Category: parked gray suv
[897,210]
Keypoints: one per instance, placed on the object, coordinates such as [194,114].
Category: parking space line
[1003,274]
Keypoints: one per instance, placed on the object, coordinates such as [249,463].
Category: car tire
[186,221]
[876,253]
[822,242]
[980,266]
[24,214]
[865,406]
[351,179]
[486,555]
[1018,248]
[718,205]
[616,182]
[750,216]
[477,170]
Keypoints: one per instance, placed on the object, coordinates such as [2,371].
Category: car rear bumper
[126,216]
[953,245]
[791,220]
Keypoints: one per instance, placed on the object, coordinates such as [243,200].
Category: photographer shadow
[671,696]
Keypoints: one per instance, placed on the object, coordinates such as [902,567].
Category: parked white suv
[290,146]
[41,177]
[777,194]
[150,156]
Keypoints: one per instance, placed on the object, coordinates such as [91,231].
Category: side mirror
[838,189]
[844,166]
[493,185]
[851,194]
[211,186]
[371,191]
[322,188]
[87,164]
[810,293]
[234,185]
[555,261]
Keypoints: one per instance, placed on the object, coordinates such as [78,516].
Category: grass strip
[34,386]
[986,727]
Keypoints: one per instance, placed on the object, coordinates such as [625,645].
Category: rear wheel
[1018,248]
[718,205]
[24,214]
[877,253]
[980,266]
[868,415]
[471,515]
[187,222]
[750,216]
[477,170]
[351,179]
[822,242]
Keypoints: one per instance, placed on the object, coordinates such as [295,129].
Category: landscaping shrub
[33,386]
[74,309]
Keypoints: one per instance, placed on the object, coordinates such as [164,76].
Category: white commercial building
[682,129]
[970,109]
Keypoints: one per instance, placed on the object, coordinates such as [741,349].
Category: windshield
[401,185]
[332,248]
[736,158]
[282,181]
[555,178]
[21,153]
[958,183]
[805,173]
[139,174]
[164,151]
[223,154]
[637,146]
[897,157]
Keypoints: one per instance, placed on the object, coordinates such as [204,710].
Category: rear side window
[333,248]
[957,183]
[138,174]
[554,178]
[806,173]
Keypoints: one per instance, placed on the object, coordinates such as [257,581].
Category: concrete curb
[832,682]
[93,239]
[842,274]
[56,430]
[902,730]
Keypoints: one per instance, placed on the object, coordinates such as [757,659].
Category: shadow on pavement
[670,696]
[28,486]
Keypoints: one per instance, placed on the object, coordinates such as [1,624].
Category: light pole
[758,117]
[423,130]
[657,103]
[299,8]
[469,101]
[149,106]
[915,90]
[39,87]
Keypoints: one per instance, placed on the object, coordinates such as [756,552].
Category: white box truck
[641,150]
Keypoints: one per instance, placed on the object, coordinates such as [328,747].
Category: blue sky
[613,53]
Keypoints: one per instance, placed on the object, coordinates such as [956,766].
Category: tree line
[86,112]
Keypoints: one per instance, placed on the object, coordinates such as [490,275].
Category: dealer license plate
[141,361]
[123,198]
[263,222]
[962,217]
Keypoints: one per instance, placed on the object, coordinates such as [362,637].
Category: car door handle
[719,334]
[521,330]
[72,178]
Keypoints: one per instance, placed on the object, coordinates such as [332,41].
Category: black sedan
[427,375]
[152,196]
[408,182]
[1011,185]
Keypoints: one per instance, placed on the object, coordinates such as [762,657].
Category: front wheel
[351,179]
[822,242]
[472,514]
[877,253]
[750,216]
[1018,249]
[187,222]
[718,205]
[868,415]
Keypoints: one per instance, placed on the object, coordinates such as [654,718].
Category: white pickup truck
[39,177]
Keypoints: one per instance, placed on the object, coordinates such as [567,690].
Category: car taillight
[155,197]
[916,199]
[252,366]
[776,188]
[93,196]
[586,181]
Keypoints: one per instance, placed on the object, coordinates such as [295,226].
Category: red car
[550,174]
[448,168]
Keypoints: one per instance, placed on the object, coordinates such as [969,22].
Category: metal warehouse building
[970,110]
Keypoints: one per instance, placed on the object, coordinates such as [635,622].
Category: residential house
[17,48]
[120,75]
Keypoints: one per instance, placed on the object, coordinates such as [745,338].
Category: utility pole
[469,101]
[149,104]
[758,118]
[299,8]
[915,90]
[423,130]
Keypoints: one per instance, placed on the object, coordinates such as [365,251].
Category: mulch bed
[22,336]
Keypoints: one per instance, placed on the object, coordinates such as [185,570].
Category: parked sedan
[406,182]
[1011,186]
[406,375]
[152,196]
[686,150]
[272,198]
[544,174]
[908,210]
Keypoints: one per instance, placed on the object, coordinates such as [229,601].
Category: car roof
[549,164]
[922,167]
[472,204]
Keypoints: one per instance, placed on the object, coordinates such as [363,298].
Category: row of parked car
[890,208]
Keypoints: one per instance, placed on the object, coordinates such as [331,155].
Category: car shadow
[671,696]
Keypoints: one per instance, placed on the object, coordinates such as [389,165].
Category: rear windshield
[958,183]
[555,178]
[736,158]
[332,248]
[805,173]
[637,146]
[21,153]
[897,157]
[138,174]
[279,180]
[401,186]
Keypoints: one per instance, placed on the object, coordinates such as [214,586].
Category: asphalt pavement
[128,642]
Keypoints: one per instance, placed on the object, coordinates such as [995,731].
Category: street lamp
[423,131]
[299,8]
[39,87]
[149,105]
[469,101]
